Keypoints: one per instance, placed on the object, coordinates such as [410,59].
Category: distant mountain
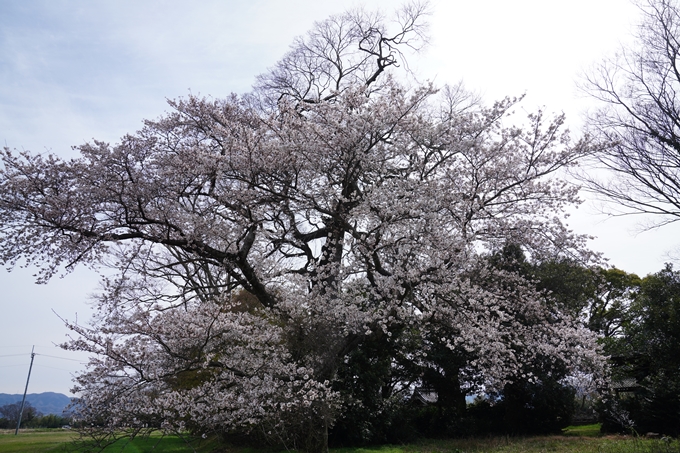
[47,403]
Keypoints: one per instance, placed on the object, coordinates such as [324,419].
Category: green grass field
[581,439]
[52,440]
[29,441]
[582,430]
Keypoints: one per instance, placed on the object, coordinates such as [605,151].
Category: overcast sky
[72,71]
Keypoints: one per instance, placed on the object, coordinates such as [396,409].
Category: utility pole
[23,400]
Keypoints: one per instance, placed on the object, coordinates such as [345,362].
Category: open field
[574,440]
[34,441]
[30,441]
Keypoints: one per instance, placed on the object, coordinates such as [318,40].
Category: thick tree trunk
[316,437]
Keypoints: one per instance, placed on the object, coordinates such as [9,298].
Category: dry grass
[541,444]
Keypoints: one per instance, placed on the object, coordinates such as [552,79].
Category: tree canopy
[262,242]
[645,359]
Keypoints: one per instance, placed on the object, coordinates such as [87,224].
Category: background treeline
[645,359]
[30,418]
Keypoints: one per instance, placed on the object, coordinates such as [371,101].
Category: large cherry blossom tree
[258,240]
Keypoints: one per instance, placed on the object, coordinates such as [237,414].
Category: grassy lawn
[156,443]
[30,441]
[582,430]
[582,439]
[38,441]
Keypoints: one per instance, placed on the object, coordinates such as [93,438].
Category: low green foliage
[583,430]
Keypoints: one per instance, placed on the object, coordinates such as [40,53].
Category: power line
[63,358]
[44,355]
[52,367]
